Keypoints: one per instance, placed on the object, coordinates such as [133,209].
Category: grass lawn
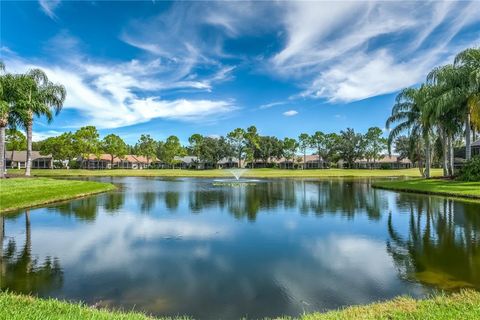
[253,173]
[464,305]
[18,193]
[433,186]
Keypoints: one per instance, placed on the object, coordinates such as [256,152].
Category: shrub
[385,166]
[471,170]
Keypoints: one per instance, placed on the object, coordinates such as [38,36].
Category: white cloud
[272,104]
[114,95]
[349,51]
[49,6]
[290,113]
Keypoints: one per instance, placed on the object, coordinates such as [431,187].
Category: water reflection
[442,247]
[20,271]
[279,247]
[343,197]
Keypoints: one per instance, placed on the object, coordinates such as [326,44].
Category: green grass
[433,186]
[16,307]
[16,193]
[253,173]
[463,305]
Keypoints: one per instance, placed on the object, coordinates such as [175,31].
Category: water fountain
[238,181]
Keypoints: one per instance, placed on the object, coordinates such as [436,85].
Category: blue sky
[208,67]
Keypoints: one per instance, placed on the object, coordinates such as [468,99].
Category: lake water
[279,247]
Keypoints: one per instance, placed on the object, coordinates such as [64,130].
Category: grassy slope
[24,192]
[464,305]
[257,173]
[433,186]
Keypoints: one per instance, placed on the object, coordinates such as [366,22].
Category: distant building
[476,148]
[192,162]
[18,160]
[104,161]
[387,162]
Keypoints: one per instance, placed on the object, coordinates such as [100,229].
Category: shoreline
[437,187]
[459,305]
[58,191]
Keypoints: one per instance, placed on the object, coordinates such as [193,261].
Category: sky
[178,68]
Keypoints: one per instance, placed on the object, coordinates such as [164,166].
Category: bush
[74,164]
[471,170]
[385,166]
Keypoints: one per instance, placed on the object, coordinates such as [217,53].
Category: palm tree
[410,115]
[4,108]
[39,97]
[459,89]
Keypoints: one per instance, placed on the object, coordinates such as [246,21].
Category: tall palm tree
[409,114]
[459,86]
[39,97]
[4,108]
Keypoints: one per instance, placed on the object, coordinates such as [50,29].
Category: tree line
[441,113]
[245,145]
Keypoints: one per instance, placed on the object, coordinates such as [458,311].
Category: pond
[276,247]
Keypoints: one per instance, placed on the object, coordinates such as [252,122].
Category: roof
[21,156]
[129,157]
[386,159]
[186,159]
[476,143]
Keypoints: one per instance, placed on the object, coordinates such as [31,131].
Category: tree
[147,147]
[375,144]
[61,147]
[196,141]
[252,143]
[332,142]
[85,142]
[8,89]
[268,147]
[172,148]
[238,139]
[410,148]
[458,88]
[351,147]
[304,142]
[114,146]
[318,142]
[408,113]
[15,140]
[289,149]
[37,96]
[215,149]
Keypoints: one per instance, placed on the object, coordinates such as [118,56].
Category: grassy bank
[253,173]
[19,193]
[464,305]
[433,186]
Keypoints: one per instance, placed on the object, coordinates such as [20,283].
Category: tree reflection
[84,209]
[147,201]
[172,199]
[319,197]
[442,246]
[114,201]
[21,272]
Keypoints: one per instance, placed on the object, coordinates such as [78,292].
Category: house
[188,162]
[228,163]
[104,161]
[192,162]
[314,161]
[134,162]
[476,148]
[18,160]
[386,162]
[311,162]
